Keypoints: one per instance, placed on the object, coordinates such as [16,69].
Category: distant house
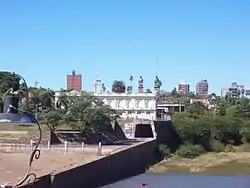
[205,102]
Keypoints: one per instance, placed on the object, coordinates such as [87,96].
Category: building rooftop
[73,92]
[183,82]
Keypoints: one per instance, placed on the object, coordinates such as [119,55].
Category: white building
[128,105]
[235,90]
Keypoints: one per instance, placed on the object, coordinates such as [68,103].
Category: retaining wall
[121,164]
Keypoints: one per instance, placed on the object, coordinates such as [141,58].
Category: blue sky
[45,40]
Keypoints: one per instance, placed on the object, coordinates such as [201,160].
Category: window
[109,101]
[127,103]
[137,104]
[146,104]
[118,104]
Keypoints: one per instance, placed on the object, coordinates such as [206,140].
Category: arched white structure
[128,105]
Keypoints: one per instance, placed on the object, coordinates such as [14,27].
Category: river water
[151,180]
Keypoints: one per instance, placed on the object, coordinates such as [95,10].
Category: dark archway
[143,131]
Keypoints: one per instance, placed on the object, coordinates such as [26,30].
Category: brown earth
[13,166]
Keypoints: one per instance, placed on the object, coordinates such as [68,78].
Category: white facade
[128,105]
[235,90]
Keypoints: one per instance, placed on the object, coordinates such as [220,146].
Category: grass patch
[25,128]
[234,163]
[163,168]
[12,135]
[230,168]
[28,127]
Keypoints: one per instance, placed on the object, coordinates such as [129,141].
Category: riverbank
[231,163]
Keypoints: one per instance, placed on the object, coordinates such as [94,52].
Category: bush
[164,150]
[245,133]
[229,148]
[217,146]
[204,128]
[190,150]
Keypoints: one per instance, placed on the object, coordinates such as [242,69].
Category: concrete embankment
[126,162]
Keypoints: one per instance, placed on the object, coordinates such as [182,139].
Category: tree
[222,110]
[52,118]
[118,86]
[216,132]
[89,115]
[130,88]
[9,80]
[148,90]
[196,110]
[44,97]
[174,91]
[64,101]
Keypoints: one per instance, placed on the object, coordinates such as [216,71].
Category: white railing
[63,148]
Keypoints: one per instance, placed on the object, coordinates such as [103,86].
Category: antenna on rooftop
[156,66]
[97,86]
[96,76]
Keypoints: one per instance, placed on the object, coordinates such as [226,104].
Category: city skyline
[182,87]
[44,41]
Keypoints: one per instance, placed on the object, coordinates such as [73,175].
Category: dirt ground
[13,166]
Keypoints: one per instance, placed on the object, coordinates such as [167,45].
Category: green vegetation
[85,112]
[8,80]
[176,97]
[203,130]
[119,86]
[211,141]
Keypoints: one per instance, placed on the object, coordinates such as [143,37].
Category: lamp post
[12,114]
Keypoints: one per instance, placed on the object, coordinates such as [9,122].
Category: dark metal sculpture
[103,88]
[140,85]
[12,114]
[158,83]
[157,87]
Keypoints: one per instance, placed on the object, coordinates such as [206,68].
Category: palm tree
[148,90]
[118,86]
[130,88]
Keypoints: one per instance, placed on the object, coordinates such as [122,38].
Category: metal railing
[62,148]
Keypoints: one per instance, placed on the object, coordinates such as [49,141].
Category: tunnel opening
[143,131]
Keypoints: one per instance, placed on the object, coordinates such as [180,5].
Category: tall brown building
[202,88]
[183,87]
[74,81]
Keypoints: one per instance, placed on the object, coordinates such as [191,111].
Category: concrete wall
[119,165]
